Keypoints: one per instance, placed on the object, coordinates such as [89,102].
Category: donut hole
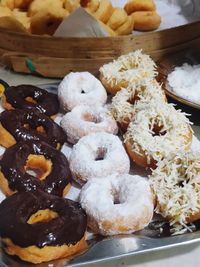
[82,91]
[157,130]
[100,153]
[90,117]
[30,100]
[38,166]
[42,216]
[39,129]
[116,197]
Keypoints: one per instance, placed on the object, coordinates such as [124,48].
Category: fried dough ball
[5,11]
[38,5]
[7,3]
[146,20]
[127,27]
[139,5]
[118,18]
[47,21]
[71,5]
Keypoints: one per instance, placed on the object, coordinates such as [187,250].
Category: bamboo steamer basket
[55,57]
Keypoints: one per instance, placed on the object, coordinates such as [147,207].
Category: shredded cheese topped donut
[123,103]
[176,183]
[131,67]
[157,130]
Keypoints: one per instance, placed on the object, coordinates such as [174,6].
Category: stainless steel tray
[116,247]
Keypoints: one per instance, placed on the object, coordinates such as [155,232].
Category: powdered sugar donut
[156,131]
[83,120]
[132,67]
[125,204]
[97,154]
[123,103]
[81,88]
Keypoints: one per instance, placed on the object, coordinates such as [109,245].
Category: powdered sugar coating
[133,209]
[81,88]
[83,120]
[97,154]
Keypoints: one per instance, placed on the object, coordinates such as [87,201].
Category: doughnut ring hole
[100,154]
[38,166]
[91,117]
[30,100]
[42,216]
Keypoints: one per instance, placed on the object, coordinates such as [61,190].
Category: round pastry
[81,88]
[125,204]
[127,27]
[47,21]
[123,103]
[107,29]
[23,125]
[28,97]
[50,166]
[117,19]
[39,227]
[7,3]
[104,11]
[139,5]
[23,4]
[157,130]
[83,120]
[71,5]
[176,183]
[38,5]
[5,12]
[146,20]
[90,5]
[126,69]
[98,153]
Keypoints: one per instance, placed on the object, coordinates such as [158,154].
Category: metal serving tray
[103,249]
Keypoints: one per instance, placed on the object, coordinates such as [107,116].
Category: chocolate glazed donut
[24,234]
[21,125]
[51,164]
[29,96]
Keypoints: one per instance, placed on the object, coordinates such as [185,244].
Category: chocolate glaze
[47,103]
[14,122]
[13,162]
[68,228]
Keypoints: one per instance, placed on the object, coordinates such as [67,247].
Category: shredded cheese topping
[172,130]
[131,67]
[176,183]
[123,110]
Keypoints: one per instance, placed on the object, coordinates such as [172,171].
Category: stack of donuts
[156,136]
[37,223]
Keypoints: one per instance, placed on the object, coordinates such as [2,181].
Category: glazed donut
[98,153]
[28,97]
[176,183]
[125,204]
[146,20]
[83,120]
[117,19]
[81,88]
[104,11]
[139,5]
[50,165]
[126,28]
[47,21]
[39,227]
[157,130]
[126,69]
[123,103]
[23,125]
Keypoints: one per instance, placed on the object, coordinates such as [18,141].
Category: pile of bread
[44,16]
